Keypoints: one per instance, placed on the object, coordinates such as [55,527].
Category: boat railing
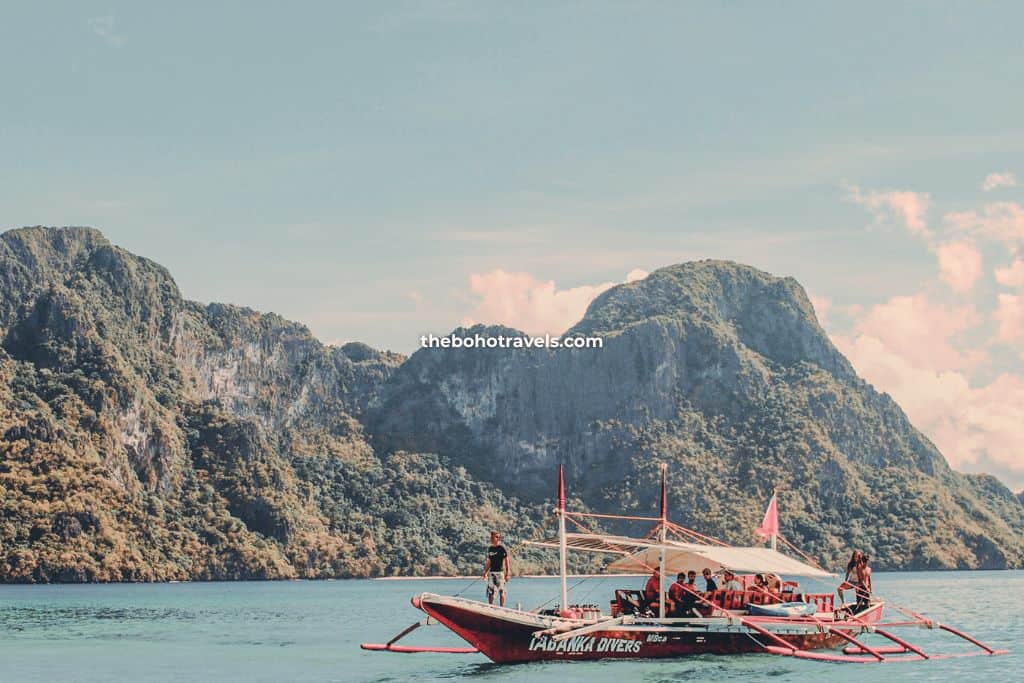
[631,601]
[735,600]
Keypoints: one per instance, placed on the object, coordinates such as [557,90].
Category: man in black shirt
[497,569]
[709,581]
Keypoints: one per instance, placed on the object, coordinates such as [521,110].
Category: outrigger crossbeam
[408,649]
[858,652]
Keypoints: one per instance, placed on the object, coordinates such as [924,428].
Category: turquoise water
[310,631]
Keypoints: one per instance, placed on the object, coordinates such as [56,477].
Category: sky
[379,171]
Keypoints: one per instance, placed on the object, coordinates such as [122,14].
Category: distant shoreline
[514,576]
[463,577]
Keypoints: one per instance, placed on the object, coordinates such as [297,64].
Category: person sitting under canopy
[731,582]
[709,581]
[682,595]
[652,590]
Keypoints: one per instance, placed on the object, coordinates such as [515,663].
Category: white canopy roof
[685,556]
[598,543]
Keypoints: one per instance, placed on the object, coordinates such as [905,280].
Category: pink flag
[770,523]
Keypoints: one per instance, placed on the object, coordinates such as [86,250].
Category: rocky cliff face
[723,371]
[146,437]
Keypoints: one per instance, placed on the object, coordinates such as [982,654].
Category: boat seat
[630,601]
[825,602]
[734,600]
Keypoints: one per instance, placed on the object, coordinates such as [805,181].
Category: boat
[745,620]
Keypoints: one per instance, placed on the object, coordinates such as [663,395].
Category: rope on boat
[586,595]
[919,618]
[580,525]
[801,553]
[552,599]
[679,529]
[468,586]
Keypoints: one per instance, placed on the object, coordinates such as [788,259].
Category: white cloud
[933,357]
[909,207]
[999,221]
[636,274]
[105,28]
[967,424]
[922,331]
[1010,316]
[960,265]
[1012,275]
[994,180]
[520,301]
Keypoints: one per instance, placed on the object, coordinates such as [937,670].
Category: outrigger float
[752,620]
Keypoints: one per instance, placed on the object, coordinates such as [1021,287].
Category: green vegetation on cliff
[146,437]
[723,371]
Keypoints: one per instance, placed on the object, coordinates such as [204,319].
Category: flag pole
[562,551]
[775,536]
[664,526]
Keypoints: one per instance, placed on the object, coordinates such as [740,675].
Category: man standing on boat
[497,569]
[863,586]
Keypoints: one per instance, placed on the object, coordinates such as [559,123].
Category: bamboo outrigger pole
[561,537]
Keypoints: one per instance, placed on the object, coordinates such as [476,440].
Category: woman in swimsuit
[851,566]
[850,580]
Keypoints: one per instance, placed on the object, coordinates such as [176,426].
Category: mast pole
[774,537]
[661,537]
[562,551]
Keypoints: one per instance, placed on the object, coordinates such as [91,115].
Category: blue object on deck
[783,609]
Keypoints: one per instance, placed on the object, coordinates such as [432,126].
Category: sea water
[310,631]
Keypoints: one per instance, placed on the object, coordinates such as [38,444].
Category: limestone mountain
[147,437]
[723,371]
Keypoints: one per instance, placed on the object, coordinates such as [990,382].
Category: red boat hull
[505,639]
